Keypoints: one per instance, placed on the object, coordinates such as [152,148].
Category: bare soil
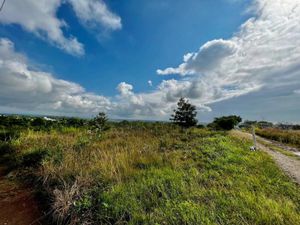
[18,204]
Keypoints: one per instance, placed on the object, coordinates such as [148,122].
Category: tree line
[185,115]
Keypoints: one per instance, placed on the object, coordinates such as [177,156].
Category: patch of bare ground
[18,204]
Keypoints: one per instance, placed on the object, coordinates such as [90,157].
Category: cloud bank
[40,18]
[264,53]
[26,89]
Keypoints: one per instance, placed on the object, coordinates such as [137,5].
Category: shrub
[8,135]
[225,122]
[34,158]
[99,123]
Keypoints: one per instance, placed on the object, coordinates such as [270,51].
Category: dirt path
[290,165]
[18,205]
[287,148]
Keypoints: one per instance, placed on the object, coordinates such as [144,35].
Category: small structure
[49,119]
[254,147]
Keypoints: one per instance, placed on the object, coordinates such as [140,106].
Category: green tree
[225,122]
[38,122]
[99,123]
[185,114]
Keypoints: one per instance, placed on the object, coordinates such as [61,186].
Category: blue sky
[105,52]
[154,34]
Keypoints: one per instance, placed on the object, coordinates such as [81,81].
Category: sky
[134,59]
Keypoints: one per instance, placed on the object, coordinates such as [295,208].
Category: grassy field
[291,137]
[153,174]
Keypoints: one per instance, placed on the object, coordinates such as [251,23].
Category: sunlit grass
[158,174]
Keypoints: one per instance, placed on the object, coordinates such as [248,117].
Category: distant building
[49,119]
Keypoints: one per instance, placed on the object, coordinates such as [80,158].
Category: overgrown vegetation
[17,123]
[291,137]
[153,173]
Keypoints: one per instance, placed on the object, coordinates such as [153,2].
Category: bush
[8,135]
[225,122]
[34,158]
[99,123]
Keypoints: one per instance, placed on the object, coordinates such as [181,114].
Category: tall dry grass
[291,137]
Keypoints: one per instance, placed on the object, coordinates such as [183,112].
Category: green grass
[157,174]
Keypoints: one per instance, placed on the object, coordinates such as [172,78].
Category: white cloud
[25,89]
[94,13]
[150,83]
[264,53]
[296,91]
[40,18]
[209,56]
[125,89]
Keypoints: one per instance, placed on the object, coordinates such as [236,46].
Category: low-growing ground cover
[154,174]
[291,137]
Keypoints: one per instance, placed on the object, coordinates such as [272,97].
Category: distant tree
[185,114]
[296,127]
[247,124]
[124,123]
[99,123]
[225,122]
[74,122]
[38,122]
[264,124]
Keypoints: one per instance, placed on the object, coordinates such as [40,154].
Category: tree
[38,122]
[225,122]
[99,123]
[74,122]
[185,114]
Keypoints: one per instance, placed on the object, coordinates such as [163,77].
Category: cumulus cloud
[26,89]
[23,89]
[156,104]
[39,17]
[265,52]
[125,89]
[209,56]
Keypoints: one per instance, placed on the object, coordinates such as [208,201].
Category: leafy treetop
[185,114]
[225,122]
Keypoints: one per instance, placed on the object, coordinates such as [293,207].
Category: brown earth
[18,204]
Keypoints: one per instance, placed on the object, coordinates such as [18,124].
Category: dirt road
[290,165]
